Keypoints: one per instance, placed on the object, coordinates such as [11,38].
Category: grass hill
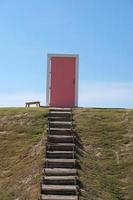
[106,158]
[105,152]
[22,140]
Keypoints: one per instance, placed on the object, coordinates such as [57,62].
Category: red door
[62,81]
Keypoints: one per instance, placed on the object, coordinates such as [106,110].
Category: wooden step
[60,146]
[60,154]
[60,109]
[67,119]
[60,131]
[61,138]
[60,124]
[60,163]
[58,197]
[60,172]
[60,180]
[59,189]
[60,114]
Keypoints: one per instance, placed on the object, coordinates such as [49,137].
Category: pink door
[62,81]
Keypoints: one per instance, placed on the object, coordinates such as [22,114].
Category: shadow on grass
[79,153]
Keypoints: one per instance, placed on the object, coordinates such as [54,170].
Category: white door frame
[48,81]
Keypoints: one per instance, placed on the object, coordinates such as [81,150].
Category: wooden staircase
[60,177]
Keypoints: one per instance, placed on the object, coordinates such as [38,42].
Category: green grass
[22,140]
[106,155]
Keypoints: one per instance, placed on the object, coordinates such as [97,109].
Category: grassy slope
[22,136]
[105,156]
[106,159]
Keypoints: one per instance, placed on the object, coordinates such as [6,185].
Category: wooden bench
[37,103]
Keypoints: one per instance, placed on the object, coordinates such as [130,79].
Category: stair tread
[59,197]
[60,122]
[61,152]
[60,108]
[59,129]
[60,160]
[60,119]
[60,177]
[58,112]
[61,133]
[60,170]
[54,117]
[61,144]
[61,136]
[59,187]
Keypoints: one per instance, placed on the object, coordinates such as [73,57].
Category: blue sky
[100,31]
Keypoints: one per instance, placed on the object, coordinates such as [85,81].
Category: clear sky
[100,31]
